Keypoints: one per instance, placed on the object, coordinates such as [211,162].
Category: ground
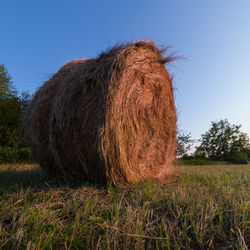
[206,207]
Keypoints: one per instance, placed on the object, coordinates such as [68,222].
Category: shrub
[15,155]
[240,158]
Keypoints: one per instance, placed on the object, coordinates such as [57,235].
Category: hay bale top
[120,55]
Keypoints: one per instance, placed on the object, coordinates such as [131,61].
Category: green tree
[223,141]
[7,88]
[12,108]
[184,144]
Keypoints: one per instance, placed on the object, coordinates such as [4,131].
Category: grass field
[208,207]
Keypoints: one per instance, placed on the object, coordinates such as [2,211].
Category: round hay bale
[109,118]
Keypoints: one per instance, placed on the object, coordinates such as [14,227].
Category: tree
[184,144]
[12,108]
[7,88]
[223,141]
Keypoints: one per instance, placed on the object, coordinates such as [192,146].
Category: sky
[211,81]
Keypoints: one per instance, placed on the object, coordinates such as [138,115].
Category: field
[205,207]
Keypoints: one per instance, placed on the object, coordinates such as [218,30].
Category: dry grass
[111,117]
[207,208]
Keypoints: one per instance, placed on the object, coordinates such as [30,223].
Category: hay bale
[109,118]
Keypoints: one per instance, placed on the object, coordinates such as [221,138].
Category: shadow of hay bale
[14,178]
[17,177]
[110,118]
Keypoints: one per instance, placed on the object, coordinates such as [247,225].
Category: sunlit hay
[110,118]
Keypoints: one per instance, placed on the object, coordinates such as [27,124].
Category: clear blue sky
[212,83]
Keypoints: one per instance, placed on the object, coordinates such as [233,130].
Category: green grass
[207,208]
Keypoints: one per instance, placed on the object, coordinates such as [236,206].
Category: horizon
[211,83]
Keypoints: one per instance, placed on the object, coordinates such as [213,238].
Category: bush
[15,155]
[240,158]
[201,162]
[241,161]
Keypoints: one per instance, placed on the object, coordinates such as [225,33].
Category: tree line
[222,142]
